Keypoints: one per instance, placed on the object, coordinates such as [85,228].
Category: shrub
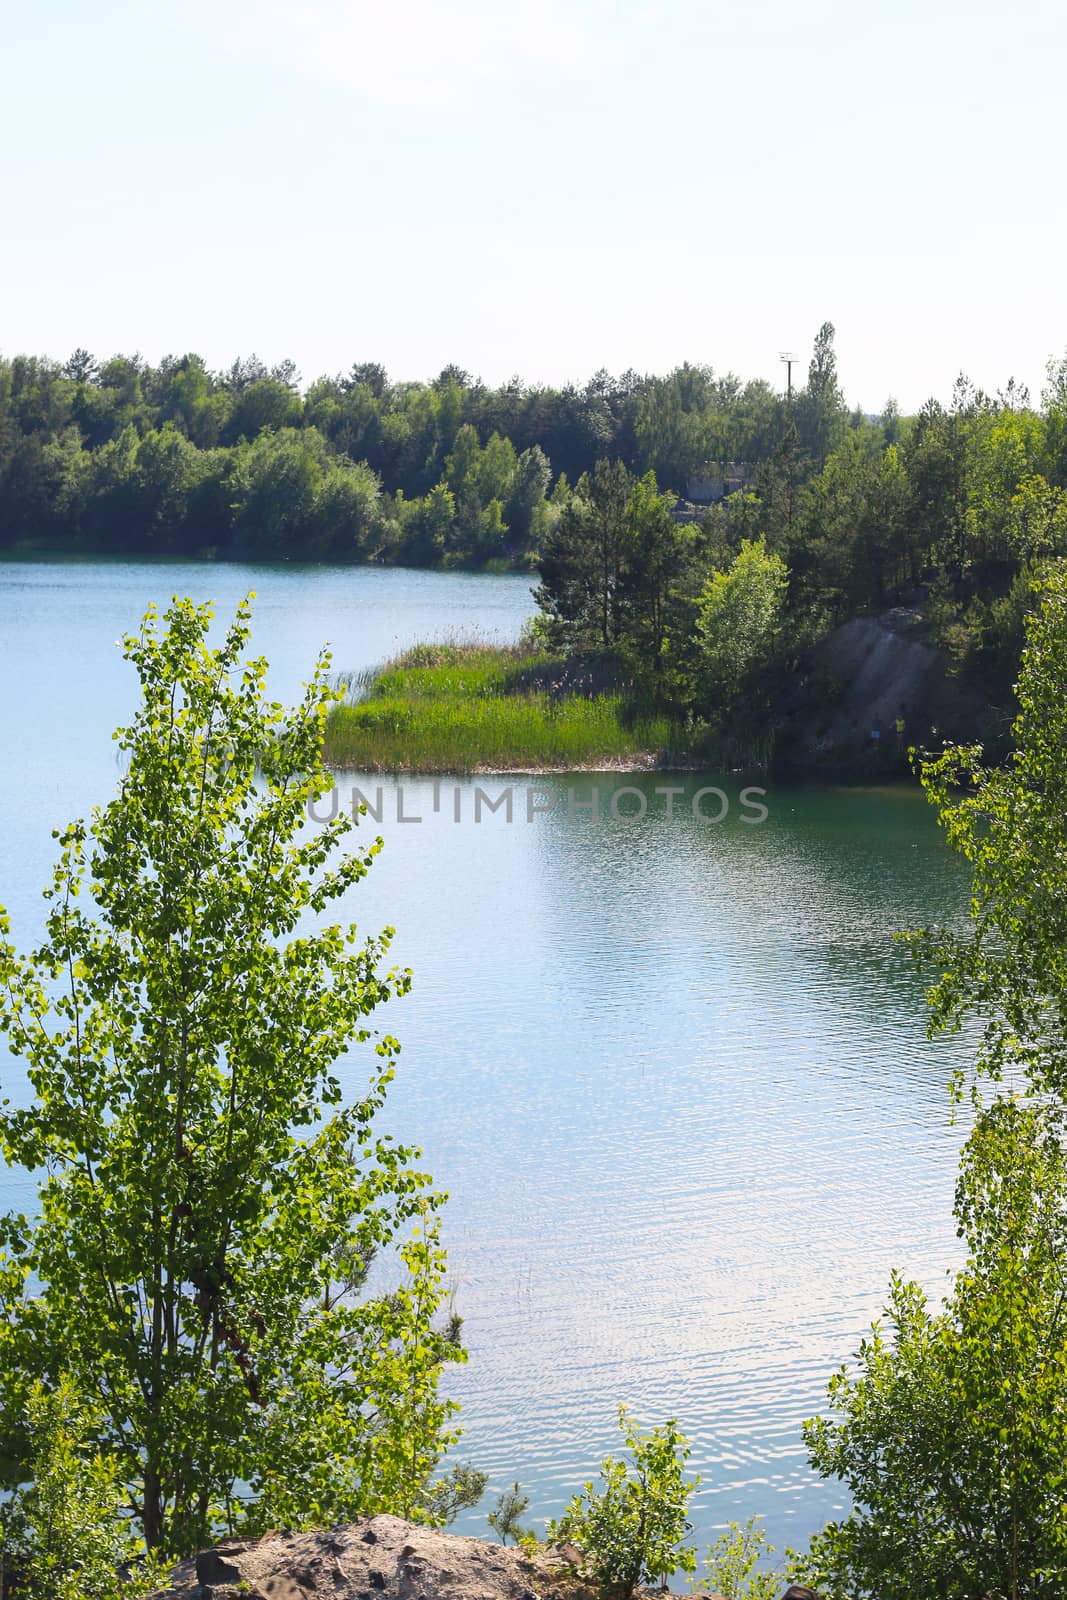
[456,1490]
[730,1567]
[64,1536]
[630,1531]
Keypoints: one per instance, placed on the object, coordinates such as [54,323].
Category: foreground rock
[380,1558]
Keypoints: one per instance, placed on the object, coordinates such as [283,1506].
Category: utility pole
[788,357]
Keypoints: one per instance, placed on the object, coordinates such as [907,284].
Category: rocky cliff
[875,686]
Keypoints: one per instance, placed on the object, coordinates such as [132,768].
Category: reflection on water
[676,1080]
[673,1073]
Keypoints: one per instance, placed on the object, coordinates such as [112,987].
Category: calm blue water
[673,1073]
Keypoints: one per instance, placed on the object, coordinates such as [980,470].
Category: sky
[540,187]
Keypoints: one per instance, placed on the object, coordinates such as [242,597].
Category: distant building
[715,480]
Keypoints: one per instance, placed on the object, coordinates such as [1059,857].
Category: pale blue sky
[540,186]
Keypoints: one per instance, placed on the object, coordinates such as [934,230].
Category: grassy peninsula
[469,705]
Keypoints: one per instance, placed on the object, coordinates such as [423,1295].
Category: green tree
[1055,401]
[582,565]
[346,519]
[526,497]
[939,457]
[461,1487]
[263,404]
[653,555]
[1037,519]
[208,1204]
[671,437]
[1010,823]
[167,469]
[190,399]
[113,492]
[820,406]
[737,625]
[732,1564]
[81,366]
[505,1519]
[427,524]
[951,1434]
[856,545]
[276,483]
[462,464]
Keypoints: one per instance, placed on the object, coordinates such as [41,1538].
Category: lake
[673,1071]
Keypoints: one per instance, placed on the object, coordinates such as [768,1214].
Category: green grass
[460,707]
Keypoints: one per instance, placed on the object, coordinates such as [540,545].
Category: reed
[461,706]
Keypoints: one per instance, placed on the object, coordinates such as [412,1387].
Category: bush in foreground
[64,1536]
[732,1566]
[630,1531]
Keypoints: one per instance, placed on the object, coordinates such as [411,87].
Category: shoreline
[836,776]
[623,764]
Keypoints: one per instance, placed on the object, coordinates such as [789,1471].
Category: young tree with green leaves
[1010,823]
[738,619]
[208,1202]
[733,1565]
[505,1519]
[951,1435]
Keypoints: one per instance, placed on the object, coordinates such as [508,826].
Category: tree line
[960,507]
[830,511]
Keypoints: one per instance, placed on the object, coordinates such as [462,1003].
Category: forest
[804,512]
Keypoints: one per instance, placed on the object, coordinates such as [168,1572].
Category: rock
[386,1558]
[284,1589]
[567,1553]
[218,1566]
[378,1558]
